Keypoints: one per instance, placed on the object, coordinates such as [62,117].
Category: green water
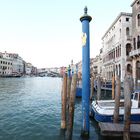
[30,109]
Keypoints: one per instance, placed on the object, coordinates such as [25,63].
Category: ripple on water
[30,109]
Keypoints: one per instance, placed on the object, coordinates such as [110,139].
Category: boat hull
[103,110]
[135,118]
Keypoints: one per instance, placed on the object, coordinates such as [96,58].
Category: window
[134,43]
[138,41]
[136,96]
[127,19]
[120,32]
[138,19]
[127,31]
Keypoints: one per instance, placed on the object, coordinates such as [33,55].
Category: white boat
[103,110]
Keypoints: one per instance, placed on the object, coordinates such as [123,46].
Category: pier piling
[98,88]
[63,99]
[68,98]
[113,86]
[117,100]
[71,107]
[128,80]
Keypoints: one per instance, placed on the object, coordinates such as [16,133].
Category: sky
[47,33]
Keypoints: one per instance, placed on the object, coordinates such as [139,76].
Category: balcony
[110,62]
[134,53]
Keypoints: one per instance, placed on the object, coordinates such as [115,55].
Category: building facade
[96,66]
[5,64]
[17,64]
[116,46]
[134,68]
[12,64]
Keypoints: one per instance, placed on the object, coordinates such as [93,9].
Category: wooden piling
[71,107]
[113,86]
[117,100]
[127,103]
[63,99]
[98,88]
[68,99]
[92,88]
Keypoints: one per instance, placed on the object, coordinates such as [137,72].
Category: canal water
[30,109]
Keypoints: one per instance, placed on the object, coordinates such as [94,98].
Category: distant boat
[103,110]
[11,75]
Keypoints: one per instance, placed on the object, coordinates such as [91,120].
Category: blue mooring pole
[85,19]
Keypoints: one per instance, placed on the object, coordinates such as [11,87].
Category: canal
[30,109]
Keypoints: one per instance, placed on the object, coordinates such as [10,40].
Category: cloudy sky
[47,33]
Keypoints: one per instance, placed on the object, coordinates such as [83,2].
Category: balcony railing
[134,52]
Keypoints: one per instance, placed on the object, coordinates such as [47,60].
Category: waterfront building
[28,68]
[79,69]
[17,63]
[5,64]
[116,46]
[135,52]
[34,70]
[96,65]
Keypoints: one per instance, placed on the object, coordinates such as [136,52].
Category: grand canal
[30,109]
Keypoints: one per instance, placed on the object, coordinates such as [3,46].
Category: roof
[121,14]
[134,2]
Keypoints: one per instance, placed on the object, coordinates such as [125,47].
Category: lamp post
[85,19]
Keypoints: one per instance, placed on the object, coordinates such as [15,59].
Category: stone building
[96,66]
[116,46]
[17,63]
[134,67]
[5,64]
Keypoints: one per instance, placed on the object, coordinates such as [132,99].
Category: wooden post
[113,86]
[68,98]
[98,88]
[71,107]
[128,80]
[63,99]
[117,100]
[92,88]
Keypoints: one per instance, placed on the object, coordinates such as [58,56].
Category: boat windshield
[136,96]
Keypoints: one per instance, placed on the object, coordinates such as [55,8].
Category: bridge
[49,74]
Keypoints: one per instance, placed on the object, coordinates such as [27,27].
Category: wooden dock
[115,129]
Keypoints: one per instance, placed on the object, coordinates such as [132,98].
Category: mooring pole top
[85,10]
[85,16]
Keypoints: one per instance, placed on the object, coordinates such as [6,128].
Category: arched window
[127,31]
[129,68]
[138,19]
[128,49]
